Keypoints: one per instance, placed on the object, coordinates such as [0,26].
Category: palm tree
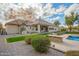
[70,20]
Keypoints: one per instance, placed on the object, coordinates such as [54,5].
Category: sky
[62,9]
[47,11]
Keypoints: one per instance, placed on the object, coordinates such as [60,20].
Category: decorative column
[4,32]
[19,29]
[39,29]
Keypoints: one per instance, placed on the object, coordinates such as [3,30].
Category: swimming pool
[72,40]
[75,38]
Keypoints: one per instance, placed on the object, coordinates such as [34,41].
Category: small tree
[70,20]
[77,20]
[56,23]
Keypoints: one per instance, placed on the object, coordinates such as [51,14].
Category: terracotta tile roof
[41,22]
[15,22]
[35,22]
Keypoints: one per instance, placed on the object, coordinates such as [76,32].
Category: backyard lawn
[25,37]
[64,32]
[72,32]
[15,39]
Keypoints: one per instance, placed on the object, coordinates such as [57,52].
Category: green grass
[20,38]
[64,32]
[14,39]
[35,36]
[72,32]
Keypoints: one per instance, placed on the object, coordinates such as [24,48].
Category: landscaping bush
[41,44]
[63,30]
[46,33]
[59,33]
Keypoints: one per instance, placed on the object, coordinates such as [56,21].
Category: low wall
[57,39]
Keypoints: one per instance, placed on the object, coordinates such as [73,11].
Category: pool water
[75,38]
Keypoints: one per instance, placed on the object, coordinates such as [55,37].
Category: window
[30,27]
[51,28]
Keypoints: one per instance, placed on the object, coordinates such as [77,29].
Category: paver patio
[22,49]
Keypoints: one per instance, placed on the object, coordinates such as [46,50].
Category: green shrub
[72,32]
[63,30]
[59,33]
[41,44]
[33,37]
[72,53]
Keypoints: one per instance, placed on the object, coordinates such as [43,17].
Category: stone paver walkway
[3,46]
[21,49]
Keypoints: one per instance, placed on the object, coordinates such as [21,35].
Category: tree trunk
[78,27]
[70,28]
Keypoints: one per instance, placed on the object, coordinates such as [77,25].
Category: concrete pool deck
[63,47]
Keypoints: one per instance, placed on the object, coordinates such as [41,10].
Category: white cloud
[56,18]
[45,11]
[49,5]
[40,11]
[72,8]
[62,8]
[49,10]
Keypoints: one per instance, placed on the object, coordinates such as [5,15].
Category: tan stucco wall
[53,29]
[12,29]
